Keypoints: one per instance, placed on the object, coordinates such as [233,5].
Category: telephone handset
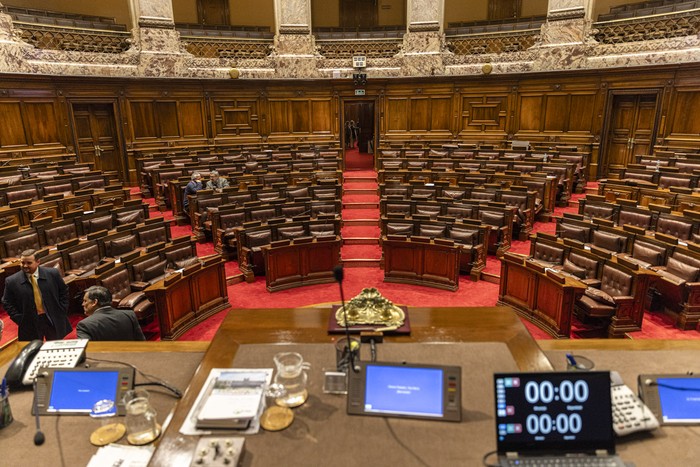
[37,354]
[630,414]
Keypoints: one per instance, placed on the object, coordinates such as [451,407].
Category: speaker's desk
[243,340]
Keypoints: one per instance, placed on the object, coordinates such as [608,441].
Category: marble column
[160,51]
[12,48]
[565,39]
[424,41]
[295,51]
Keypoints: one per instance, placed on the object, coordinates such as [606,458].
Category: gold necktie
[37,296]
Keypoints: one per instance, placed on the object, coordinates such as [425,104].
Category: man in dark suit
[104,323]
[36,298]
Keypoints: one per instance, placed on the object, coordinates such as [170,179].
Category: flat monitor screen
[404,391]
[79,391]
[558,411]
[385,389]
[66,391]
[680,399]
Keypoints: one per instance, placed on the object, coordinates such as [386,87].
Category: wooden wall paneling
[683,124]
[396,114]
[236,117]
[419,114]
[556,111]
[192,118]
[167,118]
[322,116]
[278,117]
[142,116]
[12,130]
[530,113]
[484,114]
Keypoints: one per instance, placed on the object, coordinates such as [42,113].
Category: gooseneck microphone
[338,273]
[39,437]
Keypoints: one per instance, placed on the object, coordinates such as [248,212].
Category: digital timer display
[545,411]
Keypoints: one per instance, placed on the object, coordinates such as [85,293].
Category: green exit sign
[359,92]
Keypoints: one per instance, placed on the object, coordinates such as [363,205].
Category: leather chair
[129,215]
[121,243]
[228,219]
[636,217]
[500,233]
[82,258]
[470,249]
[252,250]
[124,297]
[180,254]
[615,294]
[146,270]
[14,243]
[600,210]
[647,252]
[524,214]
[20,193]
[546,253]
[675,226]
[153,232]
[58,232]
[609,241]
[679,286]
[99,220]
[263,214]
[430,210]
[584,266]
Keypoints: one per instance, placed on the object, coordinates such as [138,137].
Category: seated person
[104,323]
[192,187]
[217,182]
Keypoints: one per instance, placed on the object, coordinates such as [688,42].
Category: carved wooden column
[160,50]
[424,41]
[295,51]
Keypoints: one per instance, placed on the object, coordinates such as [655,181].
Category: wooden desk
[308,325]
[538,297]
[421,263]
[301,262]
[189,298]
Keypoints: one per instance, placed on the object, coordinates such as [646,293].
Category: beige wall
[534,8]
[185,11]
[603,6]
[391,13]
[325,13]
[461,10]
[252,13]
[117,9]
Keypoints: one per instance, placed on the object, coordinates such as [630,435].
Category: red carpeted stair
[360,215]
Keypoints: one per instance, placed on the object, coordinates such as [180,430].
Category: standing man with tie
[36,299]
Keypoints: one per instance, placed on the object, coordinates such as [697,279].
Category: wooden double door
[97,138]
[631,130]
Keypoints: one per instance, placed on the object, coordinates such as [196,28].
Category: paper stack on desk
[233,400]
[230,399]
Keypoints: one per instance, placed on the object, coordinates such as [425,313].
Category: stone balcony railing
[550,45]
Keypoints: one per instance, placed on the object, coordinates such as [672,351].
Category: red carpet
[470,294]
[355,160]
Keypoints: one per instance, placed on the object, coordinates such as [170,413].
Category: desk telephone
[629,412]
[37,354]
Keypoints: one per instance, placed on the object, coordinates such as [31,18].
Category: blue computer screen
[680,399]
[404,391]
[77,391]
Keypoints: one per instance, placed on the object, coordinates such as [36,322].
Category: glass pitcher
[291,375]
[141,424]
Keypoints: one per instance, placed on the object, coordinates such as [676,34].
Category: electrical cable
[403,445]
[150,378]
[486,456]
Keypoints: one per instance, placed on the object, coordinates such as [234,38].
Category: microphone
[338,273]
[39,437]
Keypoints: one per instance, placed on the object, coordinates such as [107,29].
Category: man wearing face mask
[36,298]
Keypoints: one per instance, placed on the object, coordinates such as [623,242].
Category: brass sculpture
[369,307]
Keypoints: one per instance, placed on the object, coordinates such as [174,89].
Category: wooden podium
[421,261]
[185,299]
[304,261]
